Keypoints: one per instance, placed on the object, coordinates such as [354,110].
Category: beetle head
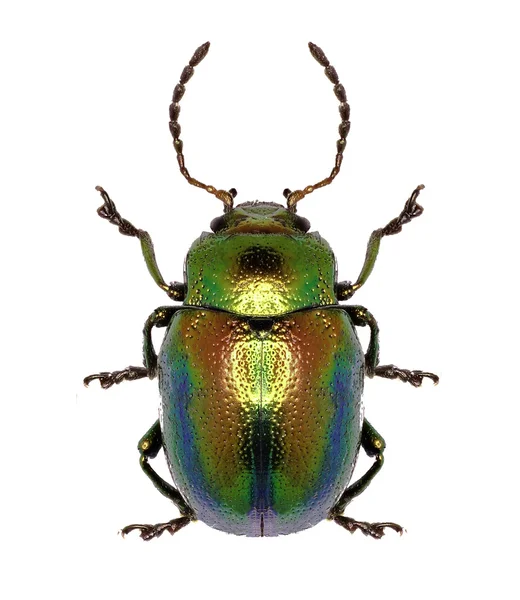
[260,217]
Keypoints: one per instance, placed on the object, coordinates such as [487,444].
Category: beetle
[261,371]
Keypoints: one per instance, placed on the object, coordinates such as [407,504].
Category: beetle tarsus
[410,211]
[374,445]
[109,212]
[360,317]
[404,375]
[108,379]
[149,532]
[375,530]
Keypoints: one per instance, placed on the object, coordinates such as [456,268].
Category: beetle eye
[302,223]
[218,223]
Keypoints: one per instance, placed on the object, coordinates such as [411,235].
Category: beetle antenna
[225,196]
[344,128]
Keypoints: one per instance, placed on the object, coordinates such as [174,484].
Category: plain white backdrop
[435,99]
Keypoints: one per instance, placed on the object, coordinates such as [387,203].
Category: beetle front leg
[361,317]
[149,446]
[160,317]
[373,444]
[411,210]
[176,291]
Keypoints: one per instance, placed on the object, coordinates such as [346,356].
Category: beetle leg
[107,379]
[108,211]
[413,377]
[360,317]
[149,446]
[411,210]
[373,444]
[160,317]
[375,530]
[149,532]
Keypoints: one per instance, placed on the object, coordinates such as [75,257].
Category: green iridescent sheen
[261,427]
[261,417]
[259,272]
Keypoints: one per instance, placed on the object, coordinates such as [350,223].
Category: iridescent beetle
[261,371]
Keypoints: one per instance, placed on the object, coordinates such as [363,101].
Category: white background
[434,93]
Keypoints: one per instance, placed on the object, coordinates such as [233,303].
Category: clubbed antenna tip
[200,53]
[344,110]
[319,55]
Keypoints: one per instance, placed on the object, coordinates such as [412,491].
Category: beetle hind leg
[149,446]
[375,530]
[373,444]
[149,532]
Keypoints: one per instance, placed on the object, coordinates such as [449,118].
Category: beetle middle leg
[149,446]
[160,317]
[108,378]
[373,444]
[361,317]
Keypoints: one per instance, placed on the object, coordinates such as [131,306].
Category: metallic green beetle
[261,371]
